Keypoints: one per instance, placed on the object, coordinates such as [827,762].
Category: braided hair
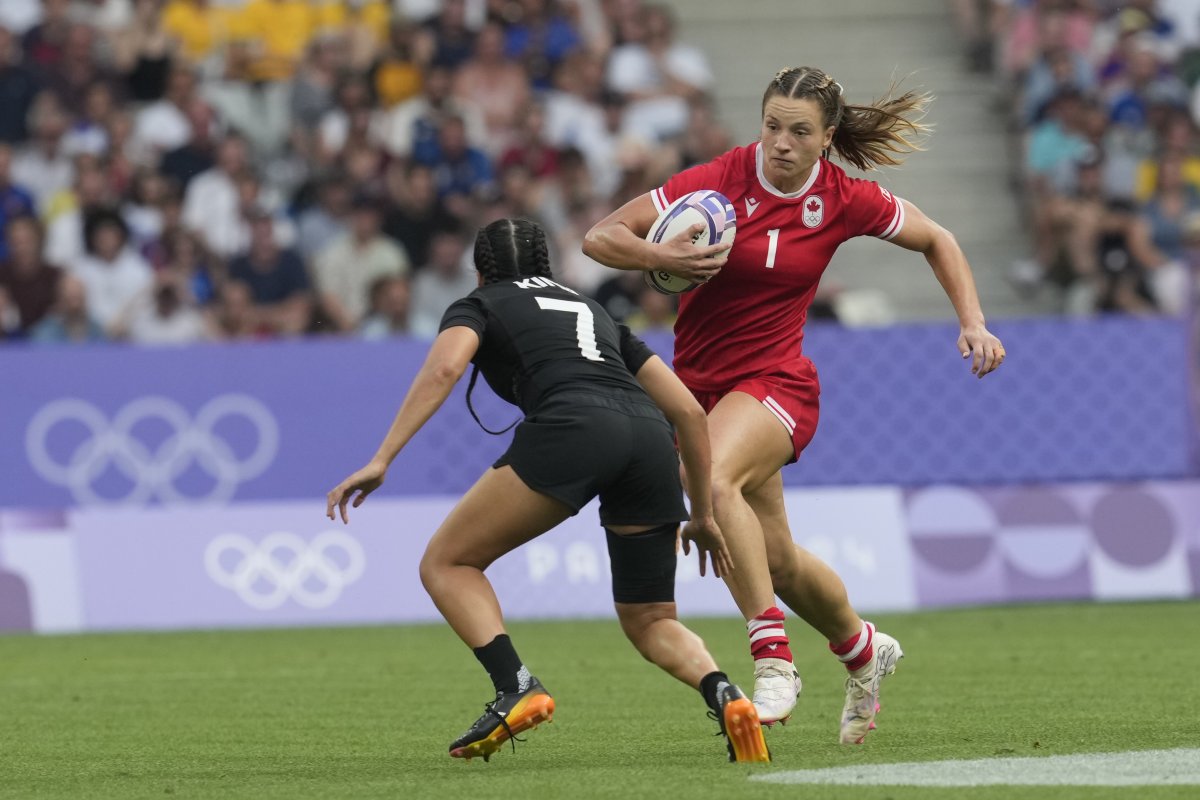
[511,248]
[505,250]
[878,134]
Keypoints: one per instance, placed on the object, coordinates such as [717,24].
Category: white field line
[1139,768]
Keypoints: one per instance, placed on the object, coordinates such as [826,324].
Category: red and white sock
[857,651]
[767,637]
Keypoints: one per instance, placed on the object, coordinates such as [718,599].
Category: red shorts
[792,397]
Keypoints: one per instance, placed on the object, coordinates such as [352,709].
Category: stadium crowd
[1104,99]
[183,170]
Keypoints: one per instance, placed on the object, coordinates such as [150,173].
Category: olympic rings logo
[284,566]
[152,472]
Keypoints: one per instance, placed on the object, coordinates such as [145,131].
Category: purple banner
[111,425]
[283,563]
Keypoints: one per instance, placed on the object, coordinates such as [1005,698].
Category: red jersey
[749,319]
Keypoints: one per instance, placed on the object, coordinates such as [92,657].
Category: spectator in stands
[166,125]
[349,118]
[198,153]
[345,271]
[390,306]
[200,272]
[30,284]
[276,277]
[396,74]
[18,88]
[363,24]
[441,282]
[15,201]
[575,118]
[164,314]
[1142,85]
[410,130]
[202,27]
[415,213]
[460,171]
[234,316]
[42,166]
[89,132]
[111,272]
[144,52]
[145,208]
[78,68]
[67,211]
[325,220]
[279,31]
[1057,69]
[528,145]
[498,86]
[211,205]
[312,93]
[454,40]
[1158,237]
[69,321]
[655,75]
[44,43]
[540,37]
[655,312]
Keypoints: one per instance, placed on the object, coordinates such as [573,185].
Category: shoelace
[490,708]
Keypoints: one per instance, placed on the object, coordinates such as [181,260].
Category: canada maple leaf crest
[814,211]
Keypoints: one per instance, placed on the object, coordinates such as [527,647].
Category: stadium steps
[962,180]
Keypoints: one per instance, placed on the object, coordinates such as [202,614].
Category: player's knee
[638,621]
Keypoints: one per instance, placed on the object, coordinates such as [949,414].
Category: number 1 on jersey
[772,244]
[585,324]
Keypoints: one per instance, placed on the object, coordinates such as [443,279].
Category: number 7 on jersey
[585,324]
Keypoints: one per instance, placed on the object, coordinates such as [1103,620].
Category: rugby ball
[707,207]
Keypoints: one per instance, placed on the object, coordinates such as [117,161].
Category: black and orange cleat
[509,714]
[740,726]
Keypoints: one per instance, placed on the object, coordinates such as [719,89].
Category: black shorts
[577,445]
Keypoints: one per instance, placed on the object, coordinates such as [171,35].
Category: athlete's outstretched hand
[697,264]
[706,535]
[986,351]
[365,481]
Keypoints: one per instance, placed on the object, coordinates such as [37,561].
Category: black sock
[503,664]
[710,684]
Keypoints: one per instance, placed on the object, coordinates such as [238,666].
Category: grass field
[369,712]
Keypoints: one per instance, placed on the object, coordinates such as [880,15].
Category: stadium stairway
[962,180]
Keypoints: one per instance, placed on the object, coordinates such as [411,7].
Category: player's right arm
[691,426]
[619,241]
[448,358]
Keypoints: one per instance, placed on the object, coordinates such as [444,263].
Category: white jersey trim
[660,199]
[773,406]
[897,222]
[762,179]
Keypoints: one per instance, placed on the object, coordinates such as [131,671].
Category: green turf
[368,712]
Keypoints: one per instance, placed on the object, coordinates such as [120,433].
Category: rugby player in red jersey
[738,346]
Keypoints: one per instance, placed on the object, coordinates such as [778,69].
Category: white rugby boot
[776,687]
[862,689]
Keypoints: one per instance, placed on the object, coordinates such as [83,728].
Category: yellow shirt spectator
[372,15]
[201,27]
[1147,177]
[278,31]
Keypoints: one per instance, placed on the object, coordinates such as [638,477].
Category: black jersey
[538,338]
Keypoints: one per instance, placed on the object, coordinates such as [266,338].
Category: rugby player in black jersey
[598,413]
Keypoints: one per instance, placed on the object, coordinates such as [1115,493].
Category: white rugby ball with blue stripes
[707,207]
